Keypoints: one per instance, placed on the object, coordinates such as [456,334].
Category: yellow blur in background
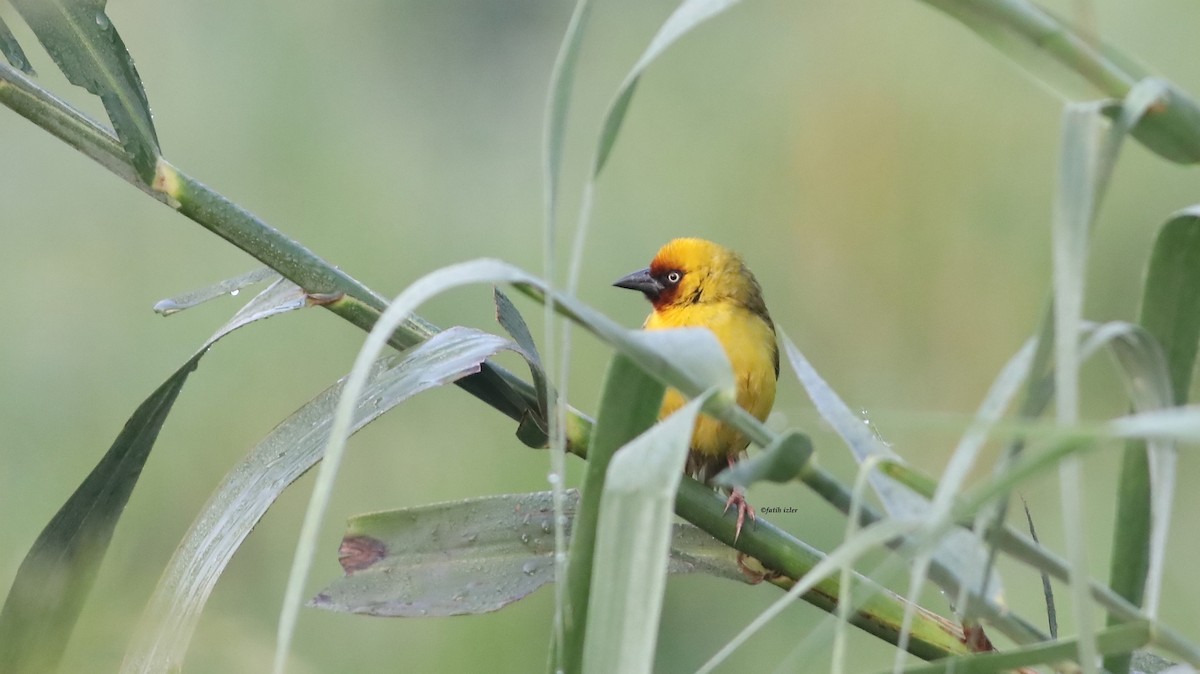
[888,176]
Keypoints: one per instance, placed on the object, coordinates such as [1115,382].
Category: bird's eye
[673,277]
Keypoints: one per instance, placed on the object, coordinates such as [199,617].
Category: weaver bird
[696,283]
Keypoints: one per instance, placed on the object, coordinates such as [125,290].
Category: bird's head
[694,271]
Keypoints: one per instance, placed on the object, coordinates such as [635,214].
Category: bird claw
[743,508]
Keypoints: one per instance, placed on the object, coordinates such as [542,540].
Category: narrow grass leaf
[959,553]
[1074,209]
[12,50]
[685,18]
[633,538]
[59,570]
[474,556]
[85,44]
[251,487]
[558,106]
[232,286]
[628,406]
[1171,297]
[1170,312]
[57,574]
[534,429]
[1144,371]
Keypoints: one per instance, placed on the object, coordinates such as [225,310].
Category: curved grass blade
[402,563]
[534,429]
[628,406]
[12,50]
[1171,313]
[685,18]
[246,493]
[86,46]
[959,553]
[633,538]
[59,570]
[232,286]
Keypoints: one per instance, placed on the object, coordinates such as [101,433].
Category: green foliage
[481,554]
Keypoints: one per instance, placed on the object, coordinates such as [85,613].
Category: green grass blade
[251,487]
[12,51]
[1074,210]
[57,574]
[1171,298]
[534,429]
[633,538]
[1171,313]
[685,18]
[86,46]
[628,406]
[231,286]
[960,553]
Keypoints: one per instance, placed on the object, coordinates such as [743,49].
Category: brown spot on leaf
[360,552]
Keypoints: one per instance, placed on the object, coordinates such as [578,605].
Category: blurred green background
[888,176]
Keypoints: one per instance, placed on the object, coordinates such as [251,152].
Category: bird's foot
[736,498]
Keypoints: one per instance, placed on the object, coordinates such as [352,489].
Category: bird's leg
[737,497]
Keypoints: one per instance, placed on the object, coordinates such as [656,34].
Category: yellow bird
[696,283]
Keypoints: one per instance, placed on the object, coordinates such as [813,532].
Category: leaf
[534,429]
[232,286]
[12,50]
[629,405]
[959,552]
[1171,298]
[472,556]
[685,18]
[59,570]
[250,488]
[86,46]
[632,543]
[558,105]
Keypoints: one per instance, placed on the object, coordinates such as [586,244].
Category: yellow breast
[749,342]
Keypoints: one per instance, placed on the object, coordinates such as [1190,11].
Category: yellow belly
[750,345]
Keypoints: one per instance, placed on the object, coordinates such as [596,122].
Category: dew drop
[235,292]
[529,568]
[101,20]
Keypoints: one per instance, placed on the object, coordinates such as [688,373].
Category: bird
[694,283]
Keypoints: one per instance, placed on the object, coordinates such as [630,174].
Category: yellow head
[695,271]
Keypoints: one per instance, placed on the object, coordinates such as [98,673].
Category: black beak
[643,281]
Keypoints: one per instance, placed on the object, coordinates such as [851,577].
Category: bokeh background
[888,176]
